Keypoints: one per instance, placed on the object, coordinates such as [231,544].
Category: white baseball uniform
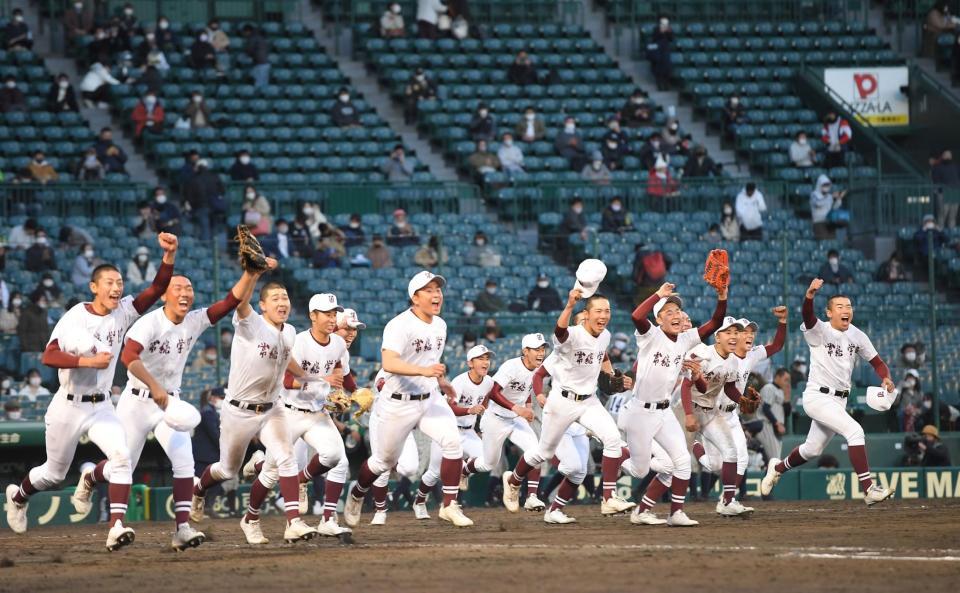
[498,423]
[659,463]
[408,464]
[714,427]
[469,394]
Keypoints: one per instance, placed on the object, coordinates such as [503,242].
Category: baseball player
[647,417]
[410,397]
[510,414]
[155,353]
[84,346]
[833,348]
[776,409]
[262,343]
[472,388]
[581,355]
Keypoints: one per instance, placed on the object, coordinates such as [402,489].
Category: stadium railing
[87,198]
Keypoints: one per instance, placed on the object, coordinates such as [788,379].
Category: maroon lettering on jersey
[515,385]
[264,349]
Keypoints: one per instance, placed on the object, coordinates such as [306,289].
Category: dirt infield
[810,546]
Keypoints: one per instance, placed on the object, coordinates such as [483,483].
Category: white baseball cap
[348,318]
[745,323]
[879,399]
[589,276]
[729,322]
[325,302]
[421,279]
[477,351]
[663,303]
[533,341]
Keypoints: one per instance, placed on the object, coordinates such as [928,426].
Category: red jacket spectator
[150,118]
[661,185]
[836,130]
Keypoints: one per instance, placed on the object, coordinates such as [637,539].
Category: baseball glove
[749,401]
[611,383]
[249,251]
[364,400]
[337,402]
[716,270]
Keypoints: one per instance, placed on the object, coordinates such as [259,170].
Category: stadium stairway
[907,42]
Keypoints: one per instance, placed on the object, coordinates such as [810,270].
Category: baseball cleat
[615,505]
[187,537]
[302,500]
[16,512]
[453,513]
[298,530]
[647,517]
[352,509]
[330,528]
[420,510]
[511,493]
[874,495]
[251,531]
[379,518]
[196,505]
[534,503]
[771,478]
[119,536]
[733,509]
[680,519]
[557,517]
[82,495]
[249,470]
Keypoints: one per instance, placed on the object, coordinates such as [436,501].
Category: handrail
[741,10]
[949,94]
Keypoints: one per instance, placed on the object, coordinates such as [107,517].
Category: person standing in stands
[428,13]
[77,22]
[822,200]
[836,136]
[419,88]
[659,53]
[258,48]
[750,207]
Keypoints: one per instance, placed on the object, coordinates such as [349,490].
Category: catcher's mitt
[337,402]
[611,383]
[364,400]
[249,251]
[749,401]
[716,270]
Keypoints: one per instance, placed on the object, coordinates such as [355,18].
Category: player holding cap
[471,388]
[260,354]
[84,346]
[155,353]
[410,397]
[833,347]
[510,414]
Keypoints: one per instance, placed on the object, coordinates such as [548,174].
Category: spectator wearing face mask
[699,165]
[7,388]
[207,358]
[140,270]
[522,72]
[12,411]
[300,237]
[802,155]
[11,98]
[822,201]
[569,145]
[659,53]
[935,453]
[543,297]
[651,150]
[750,207]
[574,221]
[256,212]
[165,37]
[379,254]
[836,136]
[353,231]
[510,155]
[713,234]
[615,145]
[32,386]
[921,238]
[39,256]
[671,135]
[637,111]
[488,301]
[330,251]
[402,232]
[344,113]
[482,253]
[61,97]
[47,287]
[614,218]
[203,55]
[660,182]
[734,114]
[243,168]
[397,167]
[167,212]
[482,126]
[911,355]
[33,330]
[419,88]
[17,35]
[198,112]
[531,128]
[83,266]
[910,403]
[77,22]
[279,244]
[257,48]
[200,196]
[109,153]
[482,161]
[729,227]
[221,44]
[95,86]
[145,225]
[147,116]
[90,168]
[892,270]
[391,22]
[618,348]
[40,170]
[596,171]
[10,315]
[491,331]
[432,254]
[833,272]
[469,338]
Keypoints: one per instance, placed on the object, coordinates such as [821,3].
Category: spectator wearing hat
[921,238]
[510,155]
[750,207]
[344,113]
[935,454]
[402,232]
[543,297]
[488,301]
[615,219]
[140,270]
[660,183]
[482,126]
[482,253]
[596,170]
[531,128]
[397,167]
[823,200]
[522,72]
[637,111]
[243,168]
[419,88]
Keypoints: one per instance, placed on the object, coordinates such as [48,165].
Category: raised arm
[780,337]
[563,322]
[809,317]
[150,295]
[243,308]
[131,359]
[643,310]
[711,326]
[244,287]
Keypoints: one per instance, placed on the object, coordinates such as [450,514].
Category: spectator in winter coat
[483,126]
[569,145]
[543,297]
[344,113]
[614,218]
[660,183]
[61,98]
[637,111]
[77,22]
[531,128]
[522,71]
[147,116]
[258,49]
[428,13]
[95,86]
[391,22]
[203,56]
[243,169]
[729,227]
[17,35]
[833,272]
[40,170]
[510,155]
[822,200]
[836,137]
[483,161]
[198,112]
[699,165]
[11,98]
[108,153]
[659,53]
[615,145]
[596,171]
[801,153]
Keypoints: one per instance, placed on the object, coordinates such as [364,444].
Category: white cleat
[249,471]
[251,531]
[511,493]
[615,505]
[119,536]
[302,500]
[557,517]
[647,517]
[680,519]
[82,495]
[187,537]
[454,514]
[874,495]
[533,503]
[298,530]
[196,505]
[380,518]
[330,528]
[16,512]
[771,478]
[352,509]
[420,511]
[733,509]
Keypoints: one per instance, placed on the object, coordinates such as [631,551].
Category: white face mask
[802,141]
[78,5]
[344,98]
[543,283]
[728,211]
[41,240]
[802,369]
[210,356]
[468,309]
[530,116]
[251,194]
[596,165]
[615,207]
[14,415]
[481,242]
[508,143]
[34,381]
[150,100]
[577,209]
[395,9]
[245,160]
[483,113]
[48,282]
[11,84]
[18,19]
[63,84]
[164,24]
[834,262]
[910,383]
[161,199]
[142,259]
[17,302]
[612,145]
[307,210]
[491,290]
[216,403]
[655,144]
[354,224]
[282,230]
[734,101]
[569,128]
[88,254]
[5,384]
[910,356]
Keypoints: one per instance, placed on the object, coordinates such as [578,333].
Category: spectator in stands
[531,128]
[482,126]
[34,328]
[671,135]
[77,22]
[200,194]
[614,218]
[420,88]
[510,155]
[344,113]
[488,301]
[165,37]
[95,86]
[167,212]
[353,231]
[483,161]
[101,48]
[432,254]
[733,114]
[226,342]
[221,44]
[575,221]
[128,23]
[402,232]
[713,234]
[637,111]
[10,315]
[12,412]
[391,22]
[491,331]
[41,170]
[379,254]
[112,156]
[397,167]
[90,168]
[596,171]
[522,72]
[147,116]
[428,13]
[140,270]
[615,145]
[189,169]
[700,165]
[198,112]
[659,53]
[833,272]
[61,98]
[83,266]
[482,253]
[203,56]
[24,234]
[243,169]
[49,289]
[73,237]
[17,35]
[569,144]
[151,79]
[258,48]
[652,150]
[279,244]
[946,173]
[935,453]
[145,224]
[11,98]
[750,207]
[836,136]
[939,21]
[729,227]
[300,238]
[331,250]
[543,297]
[921,239]
[822,201]
[650,267]
[910,403]
[801,154]
[660,183]
[892,270]
[207,358]
[256,212]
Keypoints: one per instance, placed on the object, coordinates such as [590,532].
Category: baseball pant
[573,452]
[237,429]
[408,465]
[317,430]
[714,453]
[643,427]
[396,419]
[829,417]
[716,433]
[660,463]
[139,416]
[66,422]
[340,472]
[496,430]
[768,438]
[472,447]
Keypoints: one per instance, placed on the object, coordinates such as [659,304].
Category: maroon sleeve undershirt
[131,352]
[686,398]
[288,380]
[458,410]
[711,326]
[701,384]
[731,391]
[809,318]
[562,333]
[643,310]
[219,309]
[778,340]
[538,377]
[54,357]
[152,293]
[880,367]
[497,396]
[349,383]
